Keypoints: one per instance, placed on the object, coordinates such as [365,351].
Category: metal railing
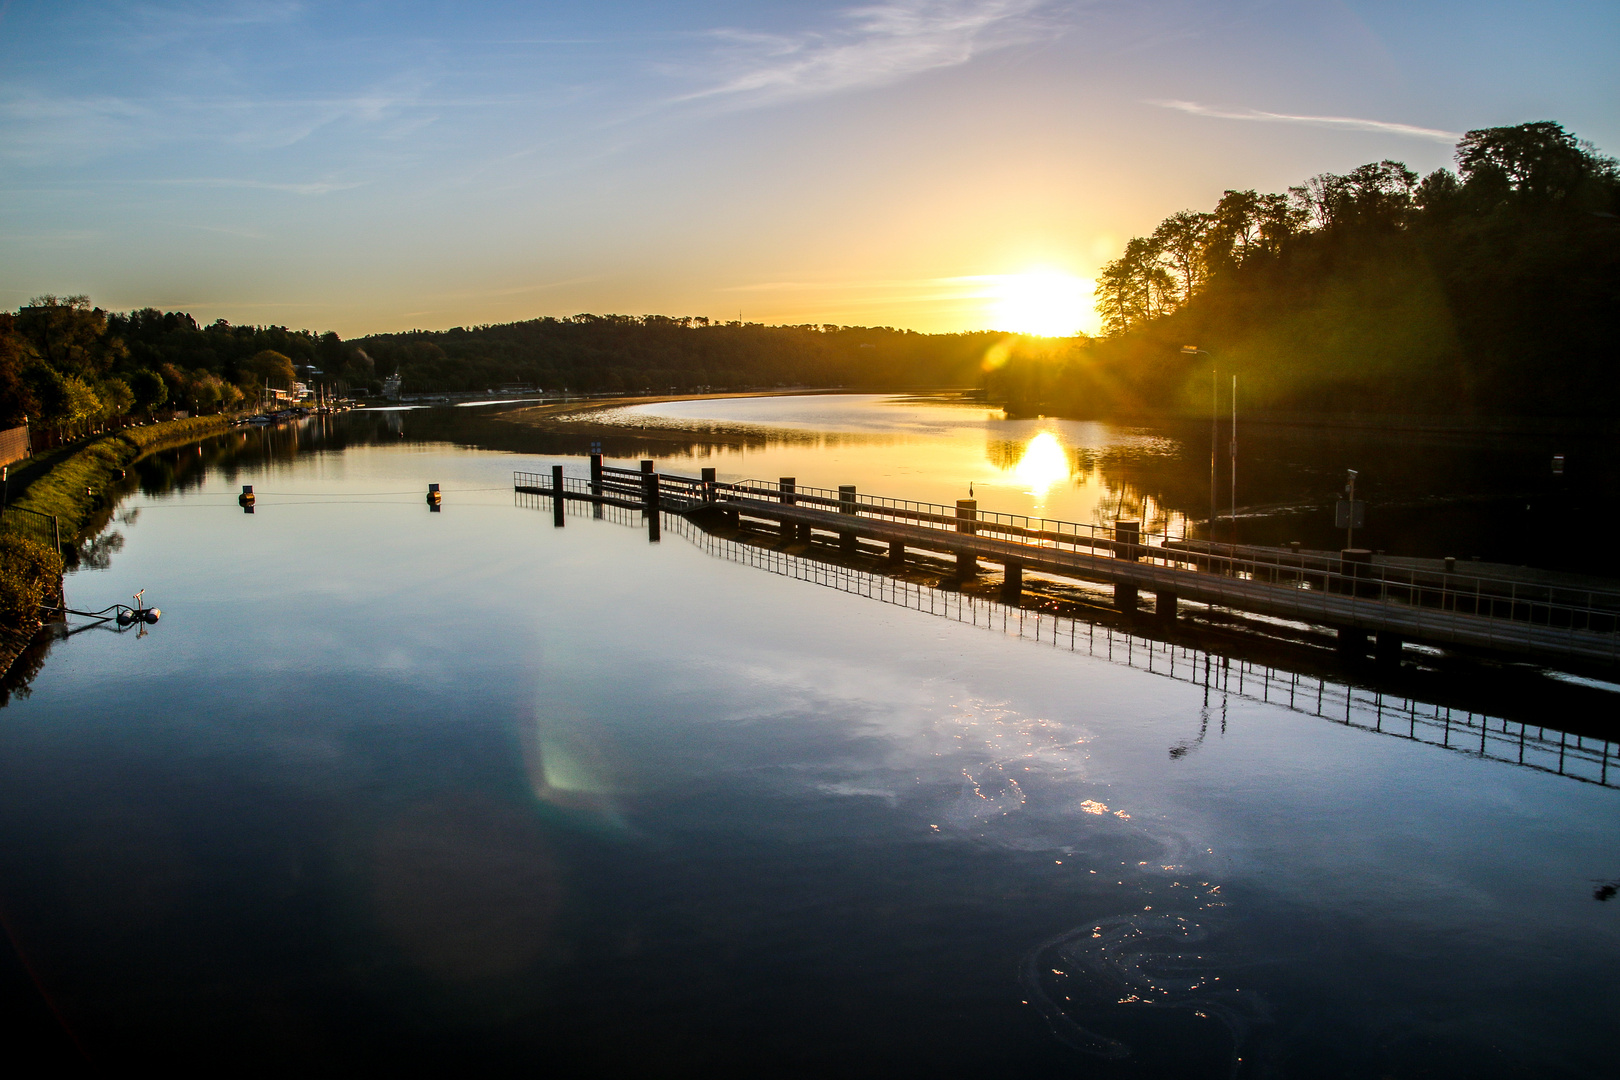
[44,529]
[1482,735]
[1486,611]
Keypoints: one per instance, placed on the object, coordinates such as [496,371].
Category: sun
[1047,303]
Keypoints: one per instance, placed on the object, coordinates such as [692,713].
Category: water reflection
[1528,741]
[1043,463]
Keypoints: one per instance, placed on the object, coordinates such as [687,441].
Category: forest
[1490,291]
[69,367]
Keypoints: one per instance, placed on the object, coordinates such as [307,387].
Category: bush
[30,574]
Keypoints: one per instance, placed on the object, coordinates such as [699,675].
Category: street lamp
[1214,430]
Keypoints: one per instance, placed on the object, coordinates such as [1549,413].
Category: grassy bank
[72,486]
[70,483]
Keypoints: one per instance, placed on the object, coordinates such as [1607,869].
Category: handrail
[1318,587]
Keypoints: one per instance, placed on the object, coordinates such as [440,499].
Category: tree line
[627,354]
[68,367]
[1492,290]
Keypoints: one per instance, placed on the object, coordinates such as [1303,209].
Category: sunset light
[1048,303]
[1045,462]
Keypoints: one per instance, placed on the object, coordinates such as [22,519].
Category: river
[388,787]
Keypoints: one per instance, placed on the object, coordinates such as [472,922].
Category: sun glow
[1044,463]
[1048,303]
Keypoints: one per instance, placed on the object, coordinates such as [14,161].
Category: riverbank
[71,483]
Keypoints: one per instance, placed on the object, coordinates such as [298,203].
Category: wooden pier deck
[1383,605]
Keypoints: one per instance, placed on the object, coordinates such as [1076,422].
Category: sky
[937,165]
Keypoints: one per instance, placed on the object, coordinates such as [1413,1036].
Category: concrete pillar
[1128,540]
[1127,546]
[897,553]
[596,476]
[558,508]
[649,488]
[846,505]
[1354,565]
[1012,584]
[1387,647]
[1352,641]
[787,485]
[1164,605]
[967,513]
[708,485]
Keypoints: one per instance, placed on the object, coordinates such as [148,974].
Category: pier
[1378,606]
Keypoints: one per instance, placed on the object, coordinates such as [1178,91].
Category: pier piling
[1012,583]
[967,515]
[846,505]
[787,485]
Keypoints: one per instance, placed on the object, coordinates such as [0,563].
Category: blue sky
[381,166]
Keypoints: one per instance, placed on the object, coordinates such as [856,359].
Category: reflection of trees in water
[1117,471]
[18,680]
[96,553]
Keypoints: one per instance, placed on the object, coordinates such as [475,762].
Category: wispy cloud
[1350,122]
[319,187]
[873,45]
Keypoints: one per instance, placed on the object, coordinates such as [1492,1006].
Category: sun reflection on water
[1043,464]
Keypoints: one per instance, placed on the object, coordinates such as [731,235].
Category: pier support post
[1164,605]
[967,516]
[1128,540]
[708,485]
[846,505]
[1352,642]
[787,485]
[897,553]
[557,507]
[1012,583]
[1127,546]
[596,485]
[649,488]
[1387,647]
[1355,564]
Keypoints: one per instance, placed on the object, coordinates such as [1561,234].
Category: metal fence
[45,529]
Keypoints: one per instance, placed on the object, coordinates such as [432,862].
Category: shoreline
[71,483]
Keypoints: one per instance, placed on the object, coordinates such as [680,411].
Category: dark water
[394,788]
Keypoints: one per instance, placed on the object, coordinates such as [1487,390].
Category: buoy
[246,498]
[125,618]
[433,495]
[152,615]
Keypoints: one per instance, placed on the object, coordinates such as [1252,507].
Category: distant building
[391,387]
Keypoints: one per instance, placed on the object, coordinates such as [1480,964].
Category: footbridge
[1368,604]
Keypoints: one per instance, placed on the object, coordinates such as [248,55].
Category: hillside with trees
[69,367]
[619,353]
[1491,291]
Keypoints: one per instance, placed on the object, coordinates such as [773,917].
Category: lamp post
[1214,431]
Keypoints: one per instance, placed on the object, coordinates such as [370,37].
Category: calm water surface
[392,787]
